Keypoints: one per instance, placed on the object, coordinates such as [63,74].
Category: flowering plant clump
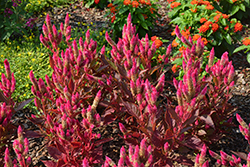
[88,89]
[143,12]
[237,8]
[218,29]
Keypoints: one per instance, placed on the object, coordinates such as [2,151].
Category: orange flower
[246,41]
[203,28]
[207,23]
[148,3]
[186,33]
[135,4]
[209,7]
[152,10]
[173,33]
[113,10]
[196,37]
[158,43]
[153,38]
[182,48]
[215,27]
[225,16]
[142,2]
[238,27]
[204,40]
[174,43]
[217,17]
[234,1]
[175,4]
[175,68]
[203,20]
[110,5]
[126,2]
[113,19]
[207,3]
[97,1]
[194,11]
[225,28]
[193,2]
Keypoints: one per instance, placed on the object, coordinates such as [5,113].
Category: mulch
[241,99]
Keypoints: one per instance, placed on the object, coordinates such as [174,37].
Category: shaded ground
[234,141]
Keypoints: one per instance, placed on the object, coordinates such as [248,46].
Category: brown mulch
[234,141]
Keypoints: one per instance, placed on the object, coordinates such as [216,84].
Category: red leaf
[22,104]
[131,109]
[31,134]
[49,163]
[208,120]
[76,144]
[109,118]
[54,152]
[51,62]
[241,155]
[99,142]
[194,143]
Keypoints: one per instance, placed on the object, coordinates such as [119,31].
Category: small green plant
[245,46]
[143,13]
[13,18]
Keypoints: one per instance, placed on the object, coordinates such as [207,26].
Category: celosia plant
[21,148]
[143,13]
[88,90]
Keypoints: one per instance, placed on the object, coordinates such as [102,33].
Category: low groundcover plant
[88,90]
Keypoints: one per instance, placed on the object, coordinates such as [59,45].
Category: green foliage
[220,30]
[143,16]
[12,18]
[40,5]
[239,9]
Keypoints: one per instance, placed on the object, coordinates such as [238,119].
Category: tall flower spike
[49,25]
[177,32]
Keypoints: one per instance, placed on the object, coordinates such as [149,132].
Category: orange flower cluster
[238,27]
[215,27]
[145,16]
[196,37]
[175,68]
[200,2]
[209,7]
[174,43]
[152,10]
[186,33]
[246,41]
[135,4]
[202,20]
[204,40]
[234,1]
[219,15]
[110,5]
[158,42]
[97,1]
[126,2]
[175,4]
[205,27]
[113,9]
[113,19]
[142,2]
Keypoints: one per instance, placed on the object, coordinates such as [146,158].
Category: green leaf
[243,47]
[144,25]
[178,61]
[228,39]
[224,22]
[248,57]
[235,10]
[242,7]
[141,17]
[123,10]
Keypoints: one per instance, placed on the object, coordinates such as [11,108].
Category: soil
[233,141]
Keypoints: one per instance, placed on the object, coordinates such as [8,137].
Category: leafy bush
[13,18]
[143,13]
[218,29]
